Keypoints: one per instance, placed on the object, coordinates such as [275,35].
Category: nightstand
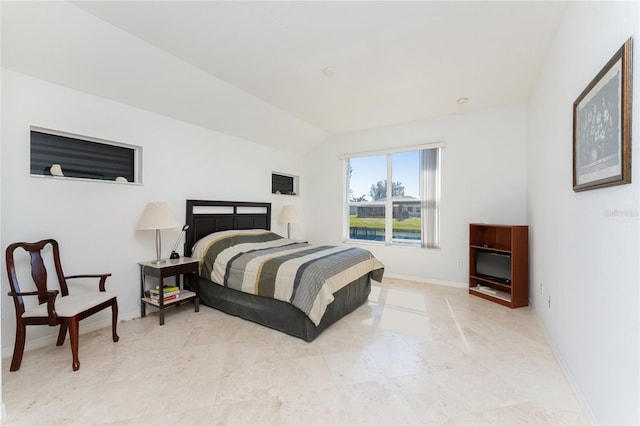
[169,268]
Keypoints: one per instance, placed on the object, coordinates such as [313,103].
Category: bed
[234,225]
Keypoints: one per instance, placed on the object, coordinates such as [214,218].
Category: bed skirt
[283,316]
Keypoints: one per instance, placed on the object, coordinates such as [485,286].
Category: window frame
[429,208]
[135,161]
[292,189]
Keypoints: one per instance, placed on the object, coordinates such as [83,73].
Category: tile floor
[415,354]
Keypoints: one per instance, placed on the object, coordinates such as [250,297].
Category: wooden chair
[65,311]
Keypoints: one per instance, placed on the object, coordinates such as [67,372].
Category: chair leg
[18,348]
[74,326]
[114,320]
[62,333]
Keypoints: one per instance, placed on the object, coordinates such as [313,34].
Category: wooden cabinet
[507,282]
[169,268]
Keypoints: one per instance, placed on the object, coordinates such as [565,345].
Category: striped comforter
[263,263]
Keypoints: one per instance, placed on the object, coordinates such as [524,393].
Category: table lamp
[156,216]
[288,215]
[174,253]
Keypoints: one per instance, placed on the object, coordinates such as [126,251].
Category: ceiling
[211,62]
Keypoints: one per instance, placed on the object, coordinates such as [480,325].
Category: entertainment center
[499,263]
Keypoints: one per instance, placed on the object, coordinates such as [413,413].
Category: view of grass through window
[370,200]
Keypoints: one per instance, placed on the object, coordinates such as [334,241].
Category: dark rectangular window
[78,158]
[282,184]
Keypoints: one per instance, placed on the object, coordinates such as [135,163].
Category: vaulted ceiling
[286,74]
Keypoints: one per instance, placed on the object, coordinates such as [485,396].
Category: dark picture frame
[602,126]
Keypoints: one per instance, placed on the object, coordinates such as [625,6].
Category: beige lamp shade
[289,214]
[156,215]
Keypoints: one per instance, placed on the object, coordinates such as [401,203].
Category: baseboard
[591,418]
[85,327]
[435,281]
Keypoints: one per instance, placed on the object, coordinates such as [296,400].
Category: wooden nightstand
[169,268]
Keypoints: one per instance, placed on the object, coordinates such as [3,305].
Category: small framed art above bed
[248,271]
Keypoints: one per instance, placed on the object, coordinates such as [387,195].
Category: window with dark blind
[283,184]
[55,154]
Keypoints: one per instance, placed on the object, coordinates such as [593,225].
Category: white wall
[3,412]
[94,222]
[483,180]
[59,42]
[586,258]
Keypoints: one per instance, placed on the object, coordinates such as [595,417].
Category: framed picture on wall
[602,126]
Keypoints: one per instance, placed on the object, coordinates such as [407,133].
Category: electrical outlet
[541,290]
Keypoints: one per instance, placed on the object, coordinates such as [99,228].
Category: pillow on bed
[201,246]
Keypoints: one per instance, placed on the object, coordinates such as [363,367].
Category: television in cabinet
[499,263]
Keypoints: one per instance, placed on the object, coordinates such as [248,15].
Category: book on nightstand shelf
[165,294]
[165,289]
[165,298]
[168,293]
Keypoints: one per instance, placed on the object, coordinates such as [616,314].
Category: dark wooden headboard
[205,217]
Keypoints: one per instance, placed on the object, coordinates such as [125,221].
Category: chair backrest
[38,269]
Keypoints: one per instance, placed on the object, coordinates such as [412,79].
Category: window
[284,184]
[405,212]
[58,154]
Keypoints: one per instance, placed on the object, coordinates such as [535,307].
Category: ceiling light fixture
[461,101]
[329,71]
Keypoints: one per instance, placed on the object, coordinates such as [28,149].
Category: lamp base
[174,255]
